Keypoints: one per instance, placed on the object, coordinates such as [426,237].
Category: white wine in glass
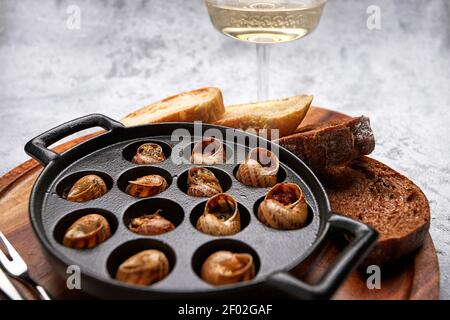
[265,22]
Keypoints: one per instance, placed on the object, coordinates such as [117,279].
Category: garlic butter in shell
[149,153]
[146,186]
[202,183]
[284,207]
[87,232]
[208,151]
[259,169]
[220,217]
[225,267]
[87,188]
[144,268]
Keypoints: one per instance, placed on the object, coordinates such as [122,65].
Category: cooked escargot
[151,224]
[221,216]
[144,268]
[149,153]
[208,151]
[87,188]
[87,232]
[146,186]
[202,183]
[284,207]
[259,169]
[225,267]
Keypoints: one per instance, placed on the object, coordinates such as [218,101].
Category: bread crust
[252,115]
[375,194]
[208,110]
[332,143]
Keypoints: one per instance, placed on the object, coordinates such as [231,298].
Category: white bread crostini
[283,114]
[204,104]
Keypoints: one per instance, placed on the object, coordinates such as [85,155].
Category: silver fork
[8,289]
[17,268]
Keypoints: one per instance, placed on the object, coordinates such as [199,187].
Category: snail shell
[87,188]
[144,268]
[259,169]
[87,232]
[151,225]
[202,183]
[149,153]
[221,216]
[225,267]
[146,186]
[208,151]
[284,207]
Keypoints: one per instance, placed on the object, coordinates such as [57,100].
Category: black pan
[275,252]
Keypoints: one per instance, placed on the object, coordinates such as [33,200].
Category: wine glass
[265,22]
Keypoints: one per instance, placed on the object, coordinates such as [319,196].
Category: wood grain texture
[416,277]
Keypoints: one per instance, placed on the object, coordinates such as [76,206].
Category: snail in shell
[146,186]
[284,207]
[225,267]
[208,151]
[202,183]
[151,224]
[220,217]
[149,153]
[259,169]
[87,232]
[87,188]
[144,268]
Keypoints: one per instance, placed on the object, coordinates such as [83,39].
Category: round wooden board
[416,277]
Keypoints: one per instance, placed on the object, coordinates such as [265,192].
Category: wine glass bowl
[266,21]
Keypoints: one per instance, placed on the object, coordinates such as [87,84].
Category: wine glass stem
[263,59]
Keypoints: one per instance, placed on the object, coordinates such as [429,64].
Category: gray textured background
[130,53]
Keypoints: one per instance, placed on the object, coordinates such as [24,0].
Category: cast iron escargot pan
[108,155]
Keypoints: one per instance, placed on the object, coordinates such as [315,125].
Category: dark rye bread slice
[331,143]
[375,194]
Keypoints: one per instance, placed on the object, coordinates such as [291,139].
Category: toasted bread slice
[283,114]
[205,104]
[331,143]
[373,193]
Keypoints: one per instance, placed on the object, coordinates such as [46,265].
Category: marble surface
[130,53]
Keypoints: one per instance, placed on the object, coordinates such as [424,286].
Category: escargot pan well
[109,156]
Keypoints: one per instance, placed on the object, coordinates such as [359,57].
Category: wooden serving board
[416,277]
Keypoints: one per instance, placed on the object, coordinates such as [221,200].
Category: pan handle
[358,248]
[37,148]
